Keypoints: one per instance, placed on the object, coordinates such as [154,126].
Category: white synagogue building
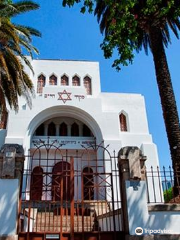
[69,107]
[71,140]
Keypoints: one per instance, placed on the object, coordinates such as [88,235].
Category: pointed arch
[41,83]
[76,81]
[51,129]
[123,122]
[64,80]
[75,130]
[87,85]
[63,129]
[53,80]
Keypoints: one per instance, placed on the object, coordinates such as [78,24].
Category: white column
[136,197]
[46,129]
[80,130]
[57,129]
[69,130]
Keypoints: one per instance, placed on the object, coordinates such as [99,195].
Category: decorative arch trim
[63,111]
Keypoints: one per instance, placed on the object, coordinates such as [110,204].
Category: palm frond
[14,38]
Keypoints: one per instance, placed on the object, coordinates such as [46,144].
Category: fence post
[133,189]
[11,172]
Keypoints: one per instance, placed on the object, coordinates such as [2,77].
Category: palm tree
[138,26]
[151,29]
[14,81]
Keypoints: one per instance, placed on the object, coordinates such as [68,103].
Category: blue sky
[68,34]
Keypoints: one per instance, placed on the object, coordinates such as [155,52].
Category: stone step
[64,219]
[64,223]
[64,229]
[55,223]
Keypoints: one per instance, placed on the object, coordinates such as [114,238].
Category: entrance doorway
[36,184]
[61,185]
[88,183]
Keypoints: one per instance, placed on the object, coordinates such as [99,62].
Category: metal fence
[78,192]
[163,185]
[70,192]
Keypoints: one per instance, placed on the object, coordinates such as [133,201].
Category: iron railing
[70,191]
[78,191]
[163,185]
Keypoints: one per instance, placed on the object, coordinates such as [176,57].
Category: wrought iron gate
[70,194]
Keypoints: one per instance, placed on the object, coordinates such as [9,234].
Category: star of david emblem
[64,96]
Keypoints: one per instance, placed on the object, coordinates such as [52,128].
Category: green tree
[135,24]
[14,39]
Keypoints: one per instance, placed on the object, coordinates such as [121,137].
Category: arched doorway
[61,181]
[36,184]
[88,183]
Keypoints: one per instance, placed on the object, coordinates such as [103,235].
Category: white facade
[99,111]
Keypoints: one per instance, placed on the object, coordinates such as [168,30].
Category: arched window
[86,131]
[40,130]
[76,81]
[74,130]
[64,80]
[63,129]
[87,85]
[88,183]
[36,184]
[41,83]
[53,80]
[51,129]
[123,122]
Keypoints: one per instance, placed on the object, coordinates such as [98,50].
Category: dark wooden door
[36,184]
[88,183]
[61,181]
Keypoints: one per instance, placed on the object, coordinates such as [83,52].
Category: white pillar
[46,129]
[137,209]
[69,130]
[57,129]
[80,130]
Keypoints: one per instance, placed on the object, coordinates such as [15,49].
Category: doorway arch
[61,181]
[88,184]
[36,184]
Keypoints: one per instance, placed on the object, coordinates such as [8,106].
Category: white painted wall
[99,111]
[165,220]
[70,68]
[139,216]
[9,196]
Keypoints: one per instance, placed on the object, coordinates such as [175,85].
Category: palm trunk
[3,109]
[3,119]
[166,92]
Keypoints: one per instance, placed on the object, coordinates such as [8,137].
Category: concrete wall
[157,219]
[9,197]
[167,218]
